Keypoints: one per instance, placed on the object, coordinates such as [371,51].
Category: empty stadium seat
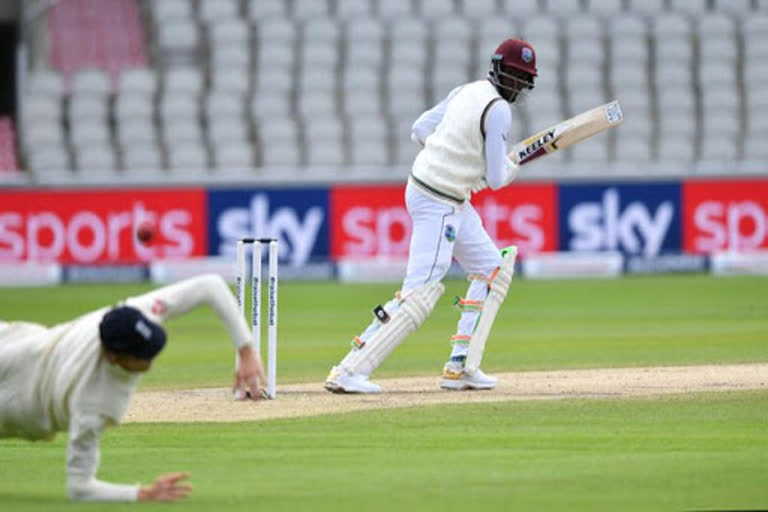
[692,7]
[676,149]
[719,148]
[232,80]
[353,9]
[178,40]
[594,150]
[228,32]
[92,82]
[263,9]
[166,10]
[325,154]
[43,108]
[391,9]
[227,130]
[646,6]
[176,134]
[42,134]
[627,26]
[755,148]
[179,106]
[434,9]
[268,104]
[632,148]
[95,158]
[49,157]
[605,7]
[232,155]
[362,103]
[405,149]
[368,143]
[672,125]
[280,155]
[741,7]
[216,10]
[316,103]
[629,51]
[187,157]
[310,9]
[137,81]
[141,157]
[183,80]
[131,132]
[520,8]
[480,9]
[45,83]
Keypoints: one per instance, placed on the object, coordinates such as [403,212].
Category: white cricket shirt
[55,379]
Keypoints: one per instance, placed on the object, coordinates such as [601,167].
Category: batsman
[465,141]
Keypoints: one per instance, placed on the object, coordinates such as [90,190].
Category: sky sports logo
[636,219]
[99,226]
[298,218]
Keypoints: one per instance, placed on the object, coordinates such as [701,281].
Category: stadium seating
[8,160]
[220,84]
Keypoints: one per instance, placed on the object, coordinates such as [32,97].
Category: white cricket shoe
[339,381]
[457,379]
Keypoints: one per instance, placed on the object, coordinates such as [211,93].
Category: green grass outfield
[704,452]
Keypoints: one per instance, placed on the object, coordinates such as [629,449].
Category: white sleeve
[211,289]
[427,122]
[83,463]
[499,169]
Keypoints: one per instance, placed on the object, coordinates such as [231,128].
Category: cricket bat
[567,133]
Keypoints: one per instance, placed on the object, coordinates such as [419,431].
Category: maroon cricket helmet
[518,54]
[513,69]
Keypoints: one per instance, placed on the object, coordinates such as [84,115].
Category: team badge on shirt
[159,308]
[450,233]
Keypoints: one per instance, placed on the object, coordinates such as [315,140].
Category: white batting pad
[414,308]
[499,286]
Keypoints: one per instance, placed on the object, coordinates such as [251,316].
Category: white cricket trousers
[442,232]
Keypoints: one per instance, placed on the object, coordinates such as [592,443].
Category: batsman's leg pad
[497,290]
[412,309]
[470,307]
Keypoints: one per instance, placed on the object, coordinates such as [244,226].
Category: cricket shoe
[456,378]
[340,381]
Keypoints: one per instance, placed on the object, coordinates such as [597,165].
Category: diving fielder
[465,140]
[79,376]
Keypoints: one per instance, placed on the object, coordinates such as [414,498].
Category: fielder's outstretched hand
[248,376]
[167,487]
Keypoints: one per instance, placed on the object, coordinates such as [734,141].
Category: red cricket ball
[145,232]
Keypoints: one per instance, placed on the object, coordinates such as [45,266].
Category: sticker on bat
[532,148]
[613,112]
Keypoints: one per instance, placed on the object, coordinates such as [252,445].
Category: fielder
[80,375]
[465,141]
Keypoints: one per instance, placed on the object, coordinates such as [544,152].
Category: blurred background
[291,118]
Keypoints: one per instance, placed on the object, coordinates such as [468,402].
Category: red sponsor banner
[369,221]
[99,226]
[372,221]
[524,215]
[725,215]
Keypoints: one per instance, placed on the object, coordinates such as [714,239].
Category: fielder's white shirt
[55,379]
[466,141]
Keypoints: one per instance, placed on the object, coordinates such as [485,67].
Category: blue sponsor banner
[297,217]
[635,218]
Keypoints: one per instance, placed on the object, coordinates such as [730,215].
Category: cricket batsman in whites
[465,141]
[79,376]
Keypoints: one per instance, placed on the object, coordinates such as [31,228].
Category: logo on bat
[532,149]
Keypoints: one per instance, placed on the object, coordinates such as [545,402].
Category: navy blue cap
[125,330]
